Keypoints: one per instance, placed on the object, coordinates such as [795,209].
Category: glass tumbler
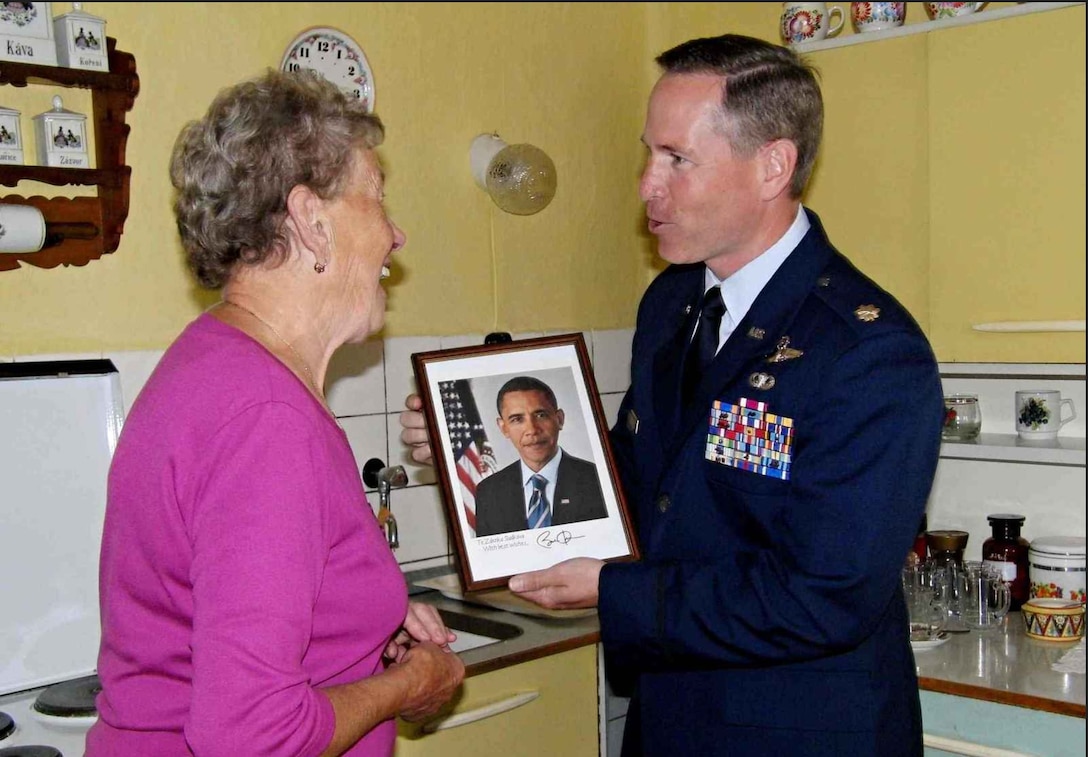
[962,418]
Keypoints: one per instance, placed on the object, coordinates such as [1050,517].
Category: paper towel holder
[24,229]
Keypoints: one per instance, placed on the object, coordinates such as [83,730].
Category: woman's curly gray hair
[234,168]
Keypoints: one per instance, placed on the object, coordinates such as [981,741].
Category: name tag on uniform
[747,436]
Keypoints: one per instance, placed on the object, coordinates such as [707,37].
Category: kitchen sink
[473,632]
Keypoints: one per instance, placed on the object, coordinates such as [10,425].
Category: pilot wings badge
[783,352]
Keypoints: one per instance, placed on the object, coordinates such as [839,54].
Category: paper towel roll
[22,228]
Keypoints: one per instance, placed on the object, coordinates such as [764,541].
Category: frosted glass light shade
[520,179]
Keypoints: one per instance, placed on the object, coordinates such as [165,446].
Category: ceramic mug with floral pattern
[951,10]
[809,22]
[1039,413]
[875,17]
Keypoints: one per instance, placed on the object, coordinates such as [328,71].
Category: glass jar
[1007,552]
[917,553]
[962,418]
[946,547]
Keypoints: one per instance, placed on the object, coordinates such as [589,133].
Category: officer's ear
[559,416]
[777,161]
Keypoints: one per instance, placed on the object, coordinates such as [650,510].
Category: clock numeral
[323,47]
[339,54]
[358,94]
[304,52]
[351,71]
[293,67]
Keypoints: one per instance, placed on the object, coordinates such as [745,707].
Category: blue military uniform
[774,511]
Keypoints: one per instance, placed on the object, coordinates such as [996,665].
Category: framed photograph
[521,448]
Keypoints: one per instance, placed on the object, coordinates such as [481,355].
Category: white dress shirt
[740,290]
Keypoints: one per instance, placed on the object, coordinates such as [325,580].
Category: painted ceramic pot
[875,17]
[951,10]
[1053,619]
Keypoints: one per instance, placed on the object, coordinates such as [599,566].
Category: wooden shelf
[113,95]
[982,16]
[1011,448]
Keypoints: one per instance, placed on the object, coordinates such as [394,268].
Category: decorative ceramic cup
[874,17]
[1038,413]
[808,22]
[951,10]
[962,418]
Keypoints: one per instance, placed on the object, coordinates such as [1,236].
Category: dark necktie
[540,512]
[705,342]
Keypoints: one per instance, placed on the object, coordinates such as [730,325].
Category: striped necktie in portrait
[540,512]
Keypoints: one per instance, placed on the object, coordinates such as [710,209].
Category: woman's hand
[435,674]
[414,430]
[422,623]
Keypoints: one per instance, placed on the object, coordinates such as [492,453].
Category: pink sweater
[242,567]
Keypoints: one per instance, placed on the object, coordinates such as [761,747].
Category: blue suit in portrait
[774,510]
[500,498]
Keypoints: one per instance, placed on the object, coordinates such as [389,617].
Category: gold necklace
[298,357]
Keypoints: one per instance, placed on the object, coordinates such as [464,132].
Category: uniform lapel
[669,360]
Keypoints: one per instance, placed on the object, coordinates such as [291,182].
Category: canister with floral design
[1056,567]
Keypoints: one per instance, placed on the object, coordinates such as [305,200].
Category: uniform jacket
[500,498]
[767,615]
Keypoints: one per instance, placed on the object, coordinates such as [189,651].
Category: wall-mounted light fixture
[520,178]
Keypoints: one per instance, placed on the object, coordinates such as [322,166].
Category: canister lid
[1058,545]
[946,541]
[1006,518]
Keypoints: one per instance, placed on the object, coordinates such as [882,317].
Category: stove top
[36,734]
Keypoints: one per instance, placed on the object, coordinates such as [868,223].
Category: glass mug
[962,418]
[950,590]
[988,597]
[925,615]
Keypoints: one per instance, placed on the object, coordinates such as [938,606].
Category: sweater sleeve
[258,532]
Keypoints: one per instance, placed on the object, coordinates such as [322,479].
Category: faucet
[385,478]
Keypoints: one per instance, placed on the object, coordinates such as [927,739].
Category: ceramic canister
[1056,567]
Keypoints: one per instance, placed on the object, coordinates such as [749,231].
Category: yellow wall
[567,77]
[573,79]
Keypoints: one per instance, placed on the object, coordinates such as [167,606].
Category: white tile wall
[400,378]
[366,385]
[355,382]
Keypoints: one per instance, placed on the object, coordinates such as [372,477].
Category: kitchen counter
[540,637]
[1005,666]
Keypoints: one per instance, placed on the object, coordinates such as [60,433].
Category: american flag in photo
[474,457]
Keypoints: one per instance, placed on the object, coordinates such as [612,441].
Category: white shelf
[1011,448]
[1022,9]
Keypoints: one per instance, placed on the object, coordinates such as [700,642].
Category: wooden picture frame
[471,443]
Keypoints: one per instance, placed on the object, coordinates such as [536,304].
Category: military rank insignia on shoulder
[867,313]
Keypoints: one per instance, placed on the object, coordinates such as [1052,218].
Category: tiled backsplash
[366,386]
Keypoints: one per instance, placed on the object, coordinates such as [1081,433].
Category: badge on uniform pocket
[747,436]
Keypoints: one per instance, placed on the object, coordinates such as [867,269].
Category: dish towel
[1072,661]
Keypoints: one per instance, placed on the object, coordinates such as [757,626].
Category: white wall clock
[337,57]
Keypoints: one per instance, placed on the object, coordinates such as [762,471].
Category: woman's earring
[319,267]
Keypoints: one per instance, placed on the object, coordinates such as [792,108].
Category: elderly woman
[250,603]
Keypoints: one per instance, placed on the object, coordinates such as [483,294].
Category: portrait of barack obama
[546,486]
